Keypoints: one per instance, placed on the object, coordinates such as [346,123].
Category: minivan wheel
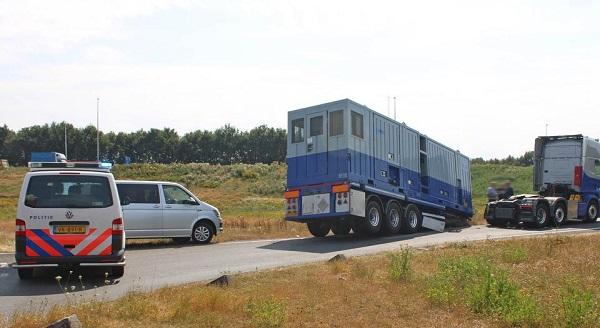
[202,233]
[25,273]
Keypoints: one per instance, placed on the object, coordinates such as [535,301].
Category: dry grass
[360,292]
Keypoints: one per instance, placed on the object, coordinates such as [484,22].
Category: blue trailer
[47,156]
[351,168]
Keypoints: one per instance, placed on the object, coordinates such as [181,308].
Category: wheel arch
[209,221]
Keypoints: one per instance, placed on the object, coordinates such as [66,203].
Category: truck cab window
[298,130]
[357,125]
[336,123]
[316,126]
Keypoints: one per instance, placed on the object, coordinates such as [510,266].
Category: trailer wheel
[541,215]
[341,228]
[592,211]
[412,220]
[318,228]
[373,220]
[560,215]
[393,219]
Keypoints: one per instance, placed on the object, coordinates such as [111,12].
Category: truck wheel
[541,215]
[393,218]
[501,223]
[202,233]
[592,212]
[117,271]
[412,219]
[25,273]
[560,215]
[318,228]
[374,218]
[341,228]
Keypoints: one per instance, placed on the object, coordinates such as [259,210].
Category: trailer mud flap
[434,222]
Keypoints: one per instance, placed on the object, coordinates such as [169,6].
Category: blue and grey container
[351,168]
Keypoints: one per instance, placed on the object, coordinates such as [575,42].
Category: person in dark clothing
[508,192]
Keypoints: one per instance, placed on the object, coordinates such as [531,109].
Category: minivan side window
[357,124]
[68,191]
[139,193]
[336,123]
[176,195]
[297,130]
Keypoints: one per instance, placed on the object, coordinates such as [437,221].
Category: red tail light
[117,226]
[20,228]
[578,175]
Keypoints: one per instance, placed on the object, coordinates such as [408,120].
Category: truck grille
[504,213]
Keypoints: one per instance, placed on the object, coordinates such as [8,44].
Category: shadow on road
[45,283]
[331,244]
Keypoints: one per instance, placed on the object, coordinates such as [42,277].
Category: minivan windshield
[68,191]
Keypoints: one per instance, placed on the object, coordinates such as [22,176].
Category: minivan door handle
[168,206]
[156,206]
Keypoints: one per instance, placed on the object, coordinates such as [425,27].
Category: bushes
[268,313]
[400,268]
[579,307]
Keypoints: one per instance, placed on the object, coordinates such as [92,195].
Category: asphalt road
[154,267]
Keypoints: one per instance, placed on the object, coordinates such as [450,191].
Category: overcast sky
[483,77]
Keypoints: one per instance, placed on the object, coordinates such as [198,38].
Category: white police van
[69,215]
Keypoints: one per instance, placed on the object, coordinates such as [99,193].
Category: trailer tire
[412,220]
[341,228]
[542,213]
[374,218]
[318,228]
[393,218]
[591,213]
[560,215]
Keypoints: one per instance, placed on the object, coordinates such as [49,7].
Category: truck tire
[560,215]
[374,218]
[25,273]
[541,215]
[591,213]
[393,218]
[412,220]
[341,228]
[318,228]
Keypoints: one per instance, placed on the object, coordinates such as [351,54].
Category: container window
[316,126]
[139,193]
[357,125]
[336,123]
[298,130]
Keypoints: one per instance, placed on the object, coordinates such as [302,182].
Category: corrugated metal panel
[409,148]
[387,139]
[441,162]
[463,171]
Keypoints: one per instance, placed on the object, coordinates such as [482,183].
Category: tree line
[225,145]
[523,160]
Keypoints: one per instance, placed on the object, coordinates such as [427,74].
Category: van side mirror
[124,201]
[190,202]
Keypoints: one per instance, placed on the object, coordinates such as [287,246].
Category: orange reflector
[340,188]
[291,194]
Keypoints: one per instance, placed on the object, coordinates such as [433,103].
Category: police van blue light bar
[71,165]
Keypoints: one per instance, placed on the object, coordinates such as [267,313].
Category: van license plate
[69,229]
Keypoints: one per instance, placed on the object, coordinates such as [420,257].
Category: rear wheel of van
[117,271]
[393,218]
[592,212]
[318,228]
[25,273]
[373,221]
[412,219]
[341,228]
[560,215]
[202,233]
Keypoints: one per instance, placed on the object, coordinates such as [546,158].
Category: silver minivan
[153,209]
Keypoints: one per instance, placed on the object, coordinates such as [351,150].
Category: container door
[560,159]
[316,144]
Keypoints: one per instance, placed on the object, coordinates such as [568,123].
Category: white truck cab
[69,215]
